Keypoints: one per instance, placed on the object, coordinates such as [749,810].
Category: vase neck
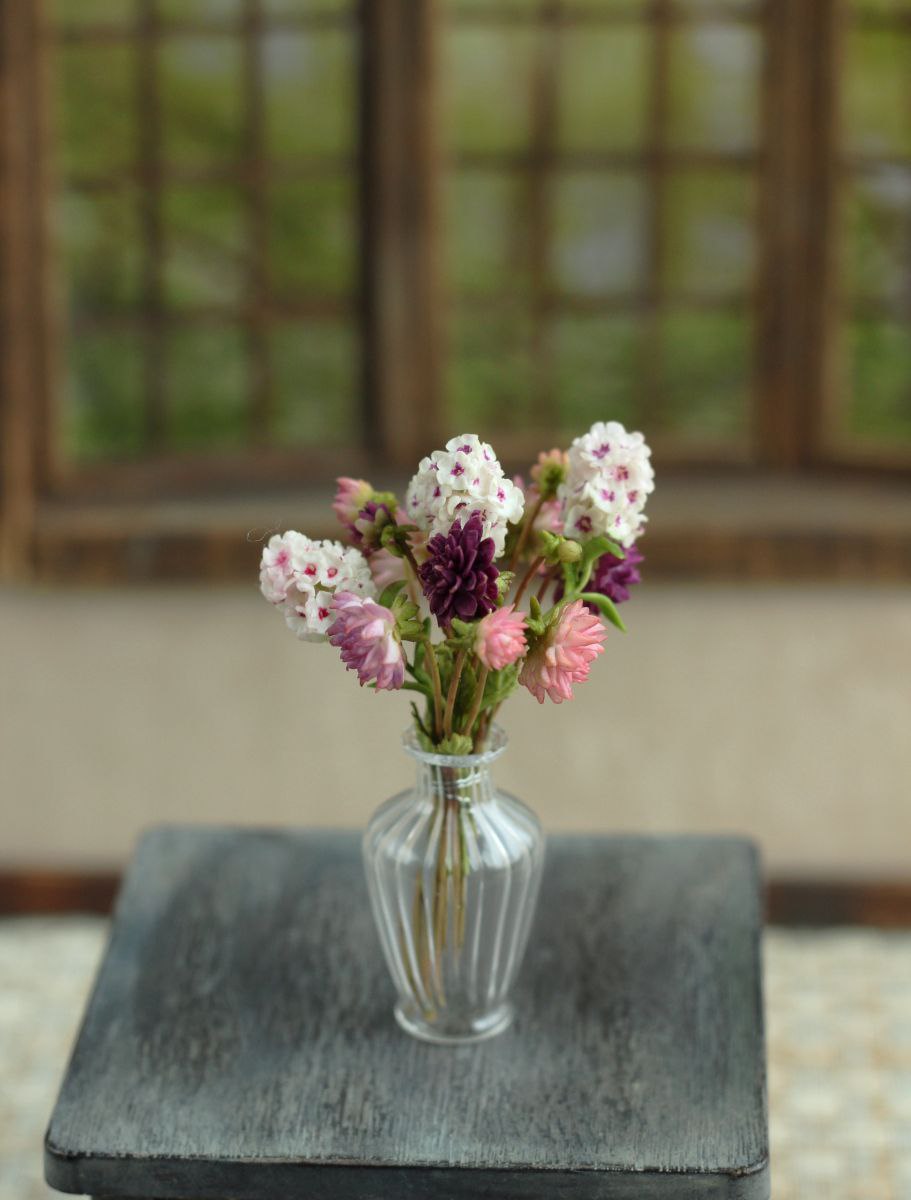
[470,785]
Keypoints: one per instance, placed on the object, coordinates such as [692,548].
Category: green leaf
[390,591]
[606,607]
[591,552]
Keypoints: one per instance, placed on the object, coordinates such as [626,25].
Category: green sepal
[456,743]
[535,622]
[463,634]
[389,592]
[407,622]
[549,545]
[504,583]
[606,607]
[500,685]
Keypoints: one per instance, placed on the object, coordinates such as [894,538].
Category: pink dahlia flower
[350,497]
[365,633]
[564,654]
[500,638]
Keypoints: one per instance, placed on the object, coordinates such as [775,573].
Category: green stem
[476,703]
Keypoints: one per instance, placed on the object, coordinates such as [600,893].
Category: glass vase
[453,868]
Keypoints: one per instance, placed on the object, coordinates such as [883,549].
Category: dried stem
[431,659]
[457,669]
[527,578]
[476,703]
[527,526]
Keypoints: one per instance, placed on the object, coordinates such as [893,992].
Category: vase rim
[497,740]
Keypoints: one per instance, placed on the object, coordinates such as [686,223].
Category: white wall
[781,712]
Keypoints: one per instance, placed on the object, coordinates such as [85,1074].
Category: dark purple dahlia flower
[459,578]
[613,577]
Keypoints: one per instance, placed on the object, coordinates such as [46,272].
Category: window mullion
[795,344]
[400,222]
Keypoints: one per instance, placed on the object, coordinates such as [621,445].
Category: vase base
[452,1033]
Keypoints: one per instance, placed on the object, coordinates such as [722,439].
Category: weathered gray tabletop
[240,1042]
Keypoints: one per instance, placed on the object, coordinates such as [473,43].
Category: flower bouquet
[472,587]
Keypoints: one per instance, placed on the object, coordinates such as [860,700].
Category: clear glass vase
[453,867]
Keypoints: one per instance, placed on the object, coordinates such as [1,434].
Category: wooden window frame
[114,523]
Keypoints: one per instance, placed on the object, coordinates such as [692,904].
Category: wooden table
[239,1041]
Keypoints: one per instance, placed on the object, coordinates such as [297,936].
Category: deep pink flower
[365,633]
[500,638]
[350,497]
[564,654]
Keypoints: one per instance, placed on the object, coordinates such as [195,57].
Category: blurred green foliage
[598,368]
[312,237]
[102,396]
[710,224]
[310,82]
[201,99]
[206,256]
[317,381]
[879,405]
[877,92]
[206,389]
[603,108]
[714,87]
[95,118]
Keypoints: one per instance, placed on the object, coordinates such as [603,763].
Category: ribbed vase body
[453,867]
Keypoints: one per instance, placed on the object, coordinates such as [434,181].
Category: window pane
[883,7]
[603,88]
[491,376]
[599,248]
[316,378]
[201,99]
[710,232]
[98,240]
[199,10]
[310,93]
[95,120]
[714,87]
[489,88]
[877,211]
[103,413]
[206,384]
[706,366]
[597,369]
[488,233]
[737,6]
[313,239]
[284,8]
[205,239]
[93,12]
[877,92]
[879,407]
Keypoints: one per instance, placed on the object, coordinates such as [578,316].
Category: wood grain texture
[240,1042]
